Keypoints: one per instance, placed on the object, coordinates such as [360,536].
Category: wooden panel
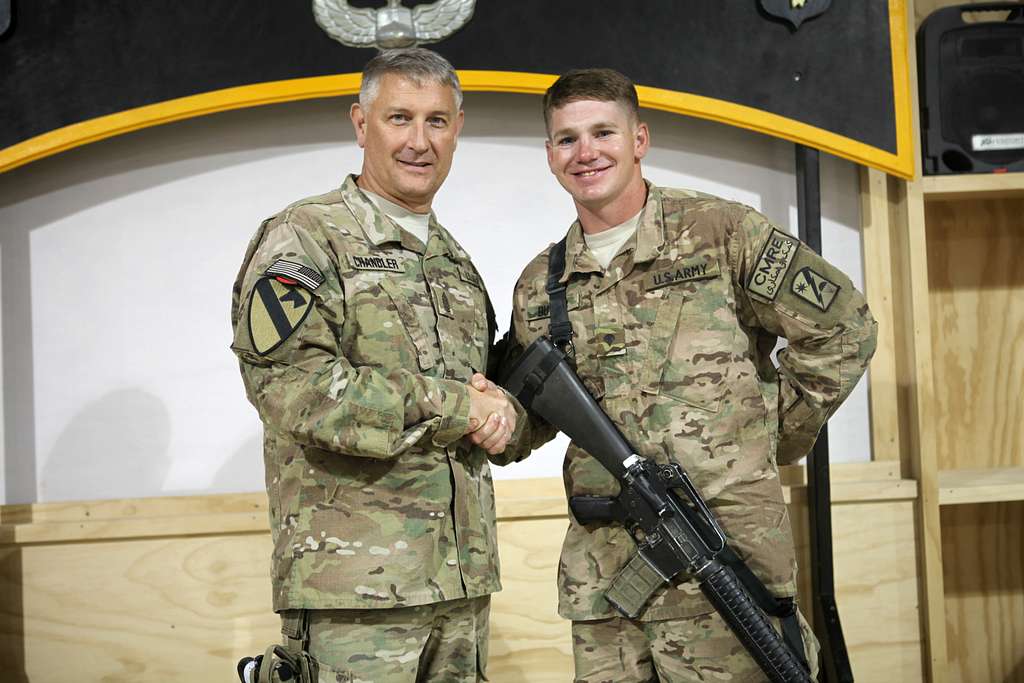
[883,391]
[877,590]
[186,607]
[977,186]
[983,548]
[170,609]
[914,369]
[958,487]
[976,282]
[529,641]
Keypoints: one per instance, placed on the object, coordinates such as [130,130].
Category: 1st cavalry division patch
[276,309]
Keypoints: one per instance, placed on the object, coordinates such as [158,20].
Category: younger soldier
[359,322]
[676,300]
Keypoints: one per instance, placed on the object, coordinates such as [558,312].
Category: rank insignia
[814,288]
[277,307]
[795,11]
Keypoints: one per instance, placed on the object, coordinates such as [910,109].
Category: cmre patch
[773,264]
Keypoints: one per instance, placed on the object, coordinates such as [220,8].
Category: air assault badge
[795,11]
[280,302]
[393,25]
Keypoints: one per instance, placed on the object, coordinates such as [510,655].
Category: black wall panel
[66,61]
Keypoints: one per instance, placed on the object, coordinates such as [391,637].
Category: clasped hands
[492,417]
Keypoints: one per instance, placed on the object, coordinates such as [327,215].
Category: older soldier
[359,323]
[676,299]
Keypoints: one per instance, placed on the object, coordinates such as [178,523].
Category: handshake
[492,416]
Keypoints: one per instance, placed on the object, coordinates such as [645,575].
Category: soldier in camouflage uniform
[676,300]
[357,340]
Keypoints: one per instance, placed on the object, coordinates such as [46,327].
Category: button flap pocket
[426,354]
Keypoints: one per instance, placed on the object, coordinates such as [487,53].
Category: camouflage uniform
[674,339]
[355,344]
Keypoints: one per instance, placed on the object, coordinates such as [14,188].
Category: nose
[418,140]
[586,152]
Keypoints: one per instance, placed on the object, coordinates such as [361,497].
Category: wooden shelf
[972,186]
[992,485]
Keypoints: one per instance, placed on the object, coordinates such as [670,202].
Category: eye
[438,121]
[604,133]
[565,141]
[398,118]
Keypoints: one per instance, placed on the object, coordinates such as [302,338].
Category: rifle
[674,534]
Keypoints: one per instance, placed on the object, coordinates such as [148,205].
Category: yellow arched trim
[902,163]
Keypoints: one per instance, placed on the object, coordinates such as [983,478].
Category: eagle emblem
[393,25]
[795,11]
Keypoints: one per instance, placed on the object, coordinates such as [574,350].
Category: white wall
[118,259]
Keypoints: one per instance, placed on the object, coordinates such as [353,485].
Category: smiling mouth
[591,172]
[415,164]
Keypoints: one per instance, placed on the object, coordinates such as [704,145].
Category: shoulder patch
[276,310]
[304,275]
[773,264]
[387,263]
[814,288]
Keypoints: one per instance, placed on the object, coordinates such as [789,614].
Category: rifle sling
[559,327]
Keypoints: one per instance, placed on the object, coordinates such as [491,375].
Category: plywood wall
[983,572]
[976,277]
[177,589]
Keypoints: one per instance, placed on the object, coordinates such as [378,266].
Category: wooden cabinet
[952,272]
[973,232]
[963,313]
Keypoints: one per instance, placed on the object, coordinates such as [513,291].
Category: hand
[492,418]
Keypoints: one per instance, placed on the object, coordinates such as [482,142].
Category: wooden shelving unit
[964,305]
[995,485]
[959,295]
[989,186]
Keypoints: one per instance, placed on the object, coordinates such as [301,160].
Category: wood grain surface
[184,601]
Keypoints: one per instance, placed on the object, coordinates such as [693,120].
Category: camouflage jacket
[674,340]
[355,345]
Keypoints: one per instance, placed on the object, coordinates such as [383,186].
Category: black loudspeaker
[971,80]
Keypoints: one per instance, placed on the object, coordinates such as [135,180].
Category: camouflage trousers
[445,641]
[691,650]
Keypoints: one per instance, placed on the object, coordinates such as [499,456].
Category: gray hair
[417,64]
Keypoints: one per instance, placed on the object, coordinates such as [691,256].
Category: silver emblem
[394,25]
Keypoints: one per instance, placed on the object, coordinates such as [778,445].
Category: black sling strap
[560,331]
[784,609]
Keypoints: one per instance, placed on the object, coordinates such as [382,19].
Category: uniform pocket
[426,353]
[688,358]
[697,368]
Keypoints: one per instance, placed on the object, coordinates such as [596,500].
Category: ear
[551,154]
[358,117]
[641,141]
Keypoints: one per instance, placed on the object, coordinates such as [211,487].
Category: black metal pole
[835,661]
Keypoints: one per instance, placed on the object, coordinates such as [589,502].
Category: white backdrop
[117,261]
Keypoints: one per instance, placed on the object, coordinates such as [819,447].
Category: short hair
[417,64]
[603,85]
